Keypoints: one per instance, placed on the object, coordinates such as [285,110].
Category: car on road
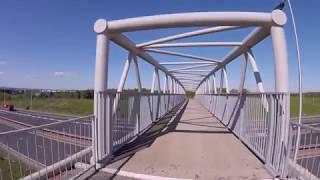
[8,107]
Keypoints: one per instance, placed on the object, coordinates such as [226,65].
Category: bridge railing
[304,159]
[47,150]
[130,114]
[257,119]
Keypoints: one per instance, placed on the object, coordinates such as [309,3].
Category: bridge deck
[198,146]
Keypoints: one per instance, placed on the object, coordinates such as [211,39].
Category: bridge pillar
[101,126]
[280,59]
[281,84]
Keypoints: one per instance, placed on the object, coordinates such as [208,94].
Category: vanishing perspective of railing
[304,159]
[259,120]
[131,114]
[47,150]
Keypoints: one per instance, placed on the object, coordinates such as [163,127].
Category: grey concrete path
[198,147]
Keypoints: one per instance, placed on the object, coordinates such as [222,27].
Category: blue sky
[51,44]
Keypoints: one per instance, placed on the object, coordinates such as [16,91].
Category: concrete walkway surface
[194,146]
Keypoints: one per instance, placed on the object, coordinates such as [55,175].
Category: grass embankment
[71,106]
[17,171]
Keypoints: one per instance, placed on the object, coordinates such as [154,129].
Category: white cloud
[62,74]
[2,62]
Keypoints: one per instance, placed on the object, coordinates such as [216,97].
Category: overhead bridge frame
[179,80]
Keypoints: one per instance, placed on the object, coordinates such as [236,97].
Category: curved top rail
[195,19]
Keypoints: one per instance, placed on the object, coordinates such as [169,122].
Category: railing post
[101,127]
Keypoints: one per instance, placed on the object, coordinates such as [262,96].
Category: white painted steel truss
[198,73]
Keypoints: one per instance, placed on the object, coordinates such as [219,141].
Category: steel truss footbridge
[258,122]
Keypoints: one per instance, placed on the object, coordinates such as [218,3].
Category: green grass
[15,167]
[80,107]
[71,106]
[310,105]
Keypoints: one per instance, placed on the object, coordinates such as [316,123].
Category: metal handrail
[306,126]
[45,125]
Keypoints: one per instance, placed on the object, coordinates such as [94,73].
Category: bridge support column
[101,125]
[281,85]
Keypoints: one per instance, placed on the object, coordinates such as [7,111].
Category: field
[310,106]
[83,106]
[70,106]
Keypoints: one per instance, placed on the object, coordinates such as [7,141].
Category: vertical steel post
[280,51]
[153,80]
[214,83]
[243,73]
[165,83]
[225,79]
[221,81]
[281,81]
[124,73]
[172,86]
[138,116]
[101,127]
[158,80]
[137,70]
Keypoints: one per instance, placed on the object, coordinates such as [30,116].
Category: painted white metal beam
[225,78]
[214,85]
[165,84]
[191,20]
[198,70]
[277,17]
[191,67]
[244,65]
[256,73]
[181,55]
[158,81]
[124,73]
[175,72]
[101,26]
[185,63]
[101,143]
[138,78]
[257,35]
[280,59]
[189,34]
[193,44]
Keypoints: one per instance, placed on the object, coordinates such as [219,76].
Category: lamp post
[30,99]
[4,95]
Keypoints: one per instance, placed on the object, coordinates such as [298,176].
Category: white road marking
[29,115]
[130,174]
